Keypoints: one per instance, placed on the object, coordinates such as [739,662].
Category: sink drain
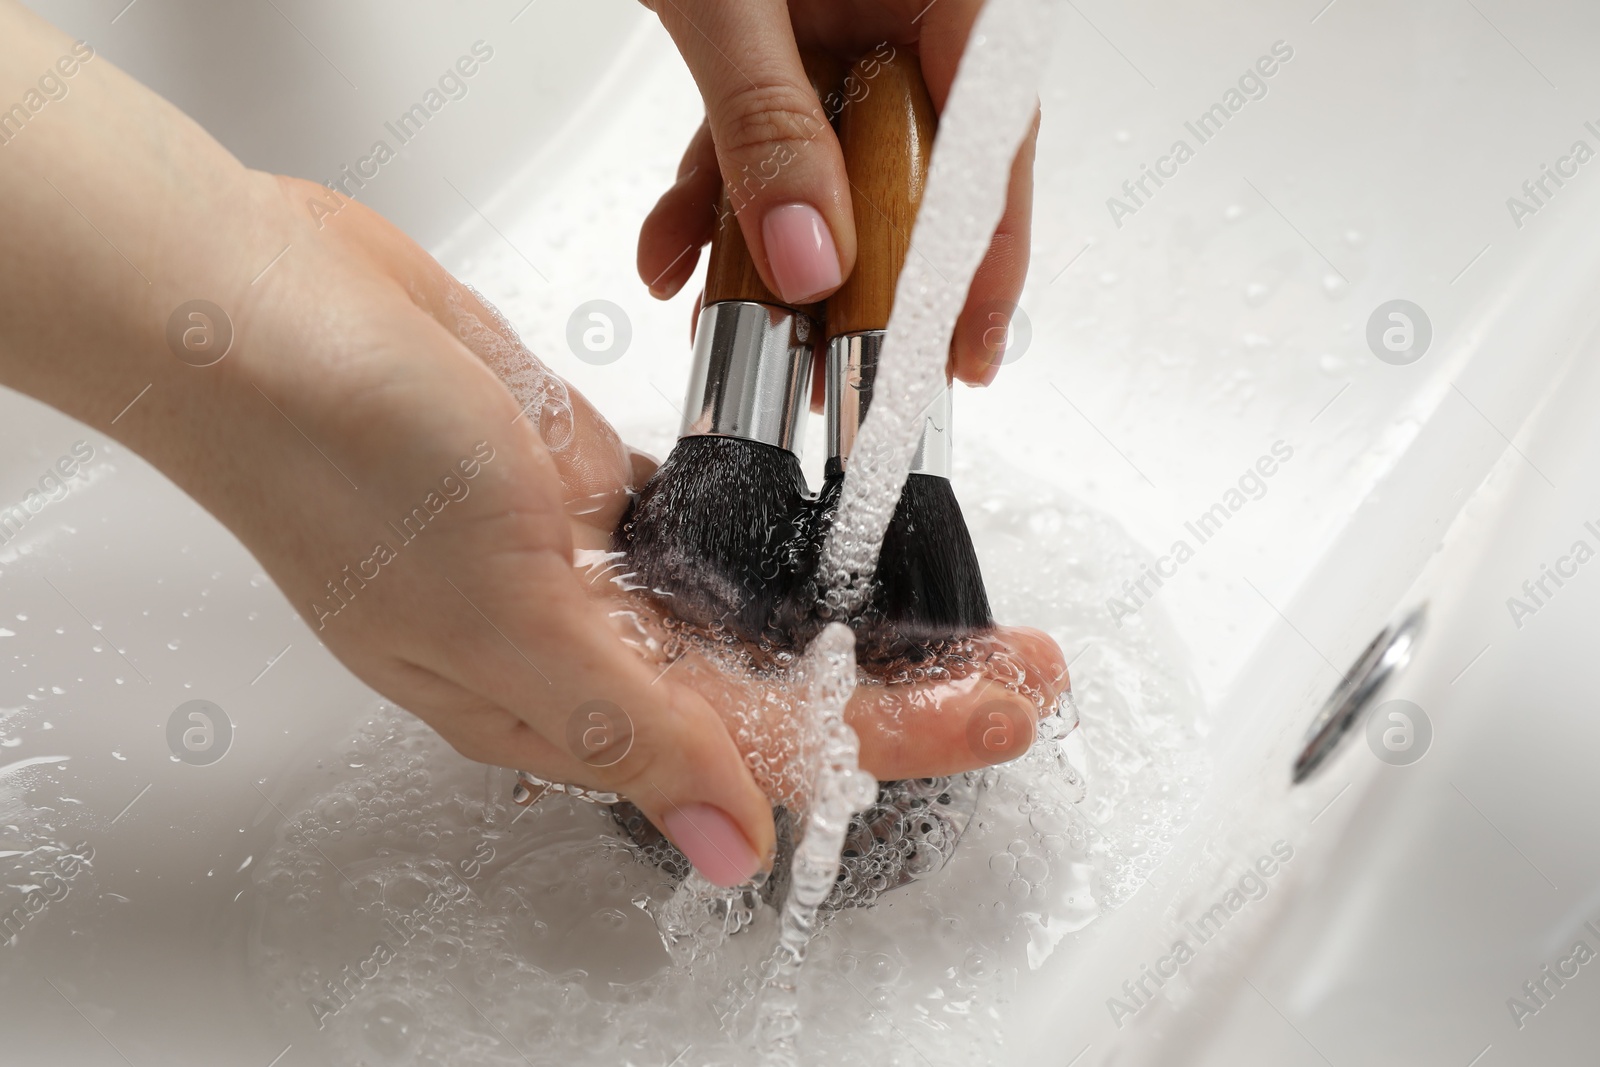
[1388,653]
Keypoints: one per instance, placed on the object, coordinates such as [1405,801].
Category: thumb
[779,158]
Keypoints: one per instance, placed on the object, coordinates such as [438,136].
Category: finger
[682,221]
[984,328]
[777,153]
[923,730]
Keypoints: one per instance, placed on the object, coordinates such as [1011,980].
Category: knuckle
[759,117]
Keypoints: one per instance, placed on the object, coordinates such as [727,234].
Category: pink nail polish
[800,250]
[713,843]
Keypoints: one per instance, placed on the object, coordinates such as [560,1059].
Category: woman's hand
[767,135]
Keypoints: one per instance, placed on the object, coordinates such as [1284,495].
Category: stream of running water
[989,111]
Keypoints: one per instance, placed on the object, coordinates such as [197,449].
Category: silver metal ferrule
[751,376]
[851,366]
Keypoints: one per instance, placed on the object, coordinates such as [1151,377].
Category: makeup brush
[928,587]
[713,530]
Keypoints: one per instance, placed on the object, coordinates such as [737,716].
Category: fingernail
[713,843]
[800,251]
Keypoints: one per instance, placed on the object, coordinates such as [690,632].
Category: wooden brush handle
[887,137]
[731,272]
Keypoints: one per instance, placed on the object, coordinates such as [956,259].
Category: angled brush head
[929,586]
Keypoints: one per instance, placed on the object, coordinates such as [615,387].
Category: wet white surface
[1167,357]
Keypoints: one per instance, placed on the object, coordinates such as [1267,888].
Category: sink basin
[1324,354]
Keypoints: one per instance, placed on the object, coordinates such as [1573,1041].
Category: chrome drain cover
[1388,654]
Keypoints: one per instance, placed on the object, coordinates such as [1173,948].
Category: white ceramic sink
[1172,347]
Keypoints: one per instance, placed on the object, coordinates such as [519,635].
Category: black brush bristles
[928,588]
[714,533]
